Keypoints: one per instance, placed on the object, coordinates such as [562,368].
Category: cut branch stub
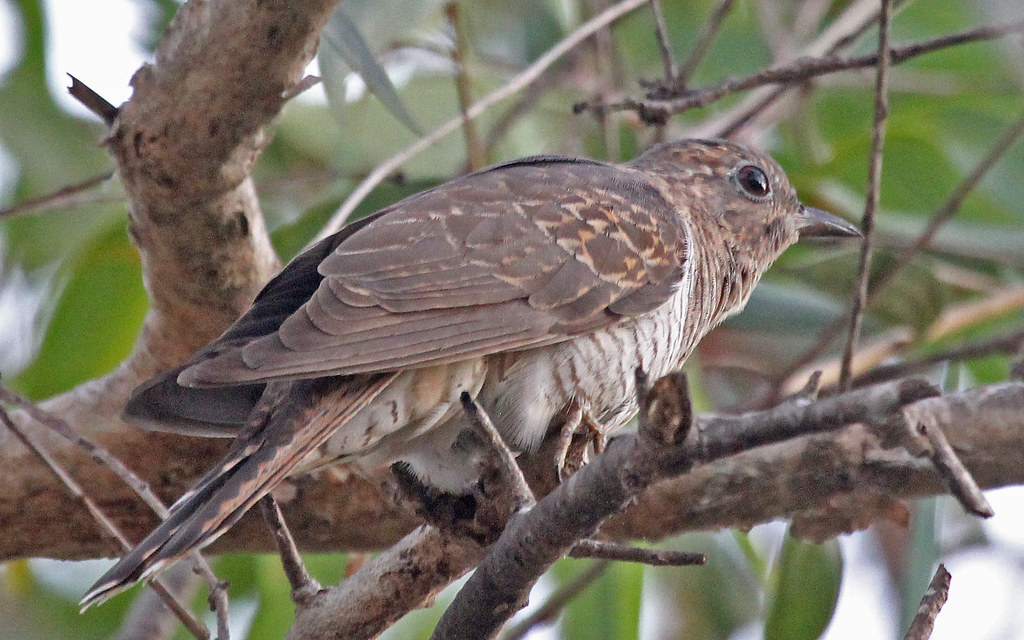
[667,411]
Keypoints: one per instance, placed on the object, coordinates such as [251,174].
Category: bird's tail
[261,458]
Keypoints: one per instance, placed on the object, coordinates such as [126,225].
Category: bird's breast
[524,391]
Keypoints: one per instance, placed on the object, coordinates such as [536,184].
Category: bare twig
[801,70]
[951,206]
[808,17]
[832,43]
[193,625]
[547,612]
[149,618]
[606,78]
[303,585]
[407,575]
[941,216]
[218,594]
[629,553]
[664,42]
[513,86]
[703,44]
[92,101]
[530,97]
[307,82]
[860,293]
[475,156]
[952,471]
[516,484]
[931,604]
[60,198]
[1007,343]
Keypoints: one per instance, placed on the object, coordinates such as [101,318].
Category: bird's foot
[577,434]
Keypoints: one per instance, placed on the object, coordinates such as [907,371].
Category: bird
[530,285]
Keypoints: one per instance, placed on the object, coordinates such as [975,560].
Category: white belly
[596,370]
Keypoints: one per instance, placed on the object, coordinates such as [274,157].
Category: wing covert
[519,256]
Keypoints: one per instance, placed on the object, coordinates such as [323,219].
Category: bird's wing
[161,404]
[517,256]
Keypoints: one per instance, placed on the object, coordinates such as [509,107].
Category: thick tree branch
[664,446]
[828,483]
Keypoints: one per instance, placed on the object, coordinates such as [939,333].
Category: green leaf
[96,320]
[50,149]
[616,595]
[343,39]
[807,578]
[711,602]
[922,555]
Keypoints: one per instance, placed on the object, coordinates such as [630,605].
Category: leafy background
[72,301]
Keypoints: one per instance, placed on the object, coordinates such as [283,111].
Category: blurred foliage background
[72,300]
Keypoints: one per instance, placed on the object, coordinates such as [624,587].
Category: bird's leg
[304,586]
[573,419]
[577,433]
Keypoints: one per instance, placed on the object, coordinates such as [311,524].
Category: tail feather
[258,463]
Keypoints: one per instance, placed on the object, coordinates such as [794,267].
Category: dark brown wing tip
[123,575]
[100,593]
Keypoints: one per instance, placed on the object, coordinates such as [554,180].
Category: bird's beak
[815,223]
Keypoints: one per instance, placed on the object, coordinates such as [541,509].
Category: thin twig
[513,86]
[193,625]
[954,474]
[808,18]
[475,157]
[629,553]
[931,604]
[516,482]
[703,44]
[303,585]
[799,71]
[149,618]
[307,82]
[860,294]
[603,55]
[733,123]
[951,206]
[941,216]
[531,96]
[664,42]
[552,607]
[218,594]
[774,33]
[59,198]
[92,101]
[1008,343]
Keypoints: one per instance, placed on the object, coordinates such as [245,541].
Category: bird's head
[740,192]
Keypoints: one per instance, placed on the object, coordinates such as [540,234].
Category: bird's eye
[753,182]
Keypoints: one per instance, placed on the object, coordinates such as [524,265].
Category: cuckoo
[530,285]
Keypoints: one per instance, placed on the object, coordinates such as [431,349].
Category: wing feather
[518,256]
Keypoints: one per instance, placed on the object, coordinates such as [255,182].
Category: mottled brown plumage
[532,285]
